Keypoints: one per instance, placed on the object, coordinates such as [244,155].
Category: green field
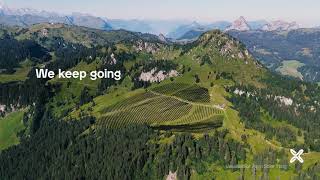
[171,104]
[171,88]
[19,75]
[9,127]
[192,93]
[156,109]
[290,68]
[149,110]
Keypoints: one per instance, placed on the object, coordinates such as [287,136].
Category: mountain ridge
[191,32]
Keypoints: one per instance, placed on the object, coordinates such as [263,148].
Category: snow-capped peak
[280,26]
[24,11]
[4,9]
[240,25]
[1,5]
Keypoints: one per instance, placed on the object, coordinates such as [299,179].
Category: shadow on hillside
[195,127]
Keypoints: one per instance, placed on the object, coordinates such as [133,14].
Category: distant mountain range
[27,17]
[174,29]
[280,26]
[194,30]
[242,25]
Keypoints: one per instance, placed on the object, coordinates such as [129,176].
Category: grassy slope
[185,112]
[290,68]
[20,74]
[9,127]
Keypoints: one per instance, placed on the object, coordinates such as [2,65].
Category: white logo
[296,155]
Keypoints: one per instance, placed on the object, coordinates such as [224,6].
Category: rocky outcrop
[146,46]
[2,107]
[284,100]
[113,59]
[157,76]
[230,49]
[172,176]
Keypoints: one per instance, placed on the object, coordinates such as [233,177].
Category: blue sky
[303,11]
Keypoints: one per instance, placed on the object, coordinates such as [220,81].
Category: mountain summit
[240,24]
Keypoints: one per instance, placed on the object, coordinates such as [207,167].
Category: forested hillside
[204,110]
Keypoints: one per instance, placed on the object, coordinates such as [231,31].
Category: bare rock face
[162,38]
[172,176]
[284,100]
[240,25]
[110,59]
[44,32]
[2,107]
[2,110]
[113,59]
[146,46]
[157,76]
[229,49]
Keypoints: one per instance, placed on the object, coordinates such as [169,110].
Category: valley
[290,68]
